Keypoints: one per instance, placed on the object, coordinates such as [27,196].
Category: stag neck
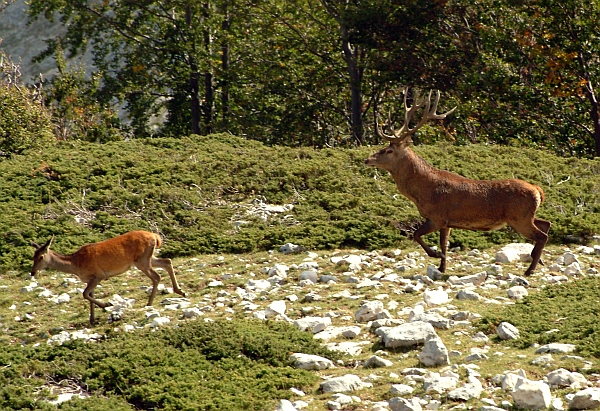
[411,174]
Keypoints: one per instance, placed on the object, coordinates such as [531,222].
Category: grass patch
[565,313]
[241,365]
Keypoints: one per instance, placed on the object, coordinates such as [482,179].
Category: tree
[153,55]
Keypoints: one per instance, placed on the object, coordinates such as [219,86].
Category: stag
[95,262]
[447,200]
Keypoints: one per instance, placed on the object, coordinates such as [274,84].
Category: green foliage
[570,309]
[78,111]
[241,365]
[24,121]
[192,191]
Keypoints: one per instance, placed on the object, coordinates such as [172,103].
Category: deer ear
[36,245]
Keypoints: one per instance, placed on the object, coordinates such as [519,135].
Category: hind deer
[95,262]
[447,200]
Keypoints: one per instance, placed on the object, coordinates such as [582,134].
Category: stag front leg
[444,236]
[426,228]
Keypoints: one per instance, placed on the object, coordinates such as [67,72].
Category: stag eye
[389,151]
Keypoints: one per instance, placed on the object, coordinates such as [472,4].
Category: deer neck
[64,263]
[413,175]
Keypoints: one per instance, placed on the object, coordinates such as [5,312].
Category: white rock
[587,399]
[290,248]
[435,297]
[475,279]
[507,331]
[403,404]
[313,324]
[377,362]
[286,405]
[559,378]
[345,383]
[514,252]
[401,390]
[159,321]
[406,335]
[556,348]
[532,395]
[472,389]
[517,292]
[434,382]
[468,295]
[275,308]
[311,362]
[434,353]
[62,299]
[192,312]
[368,311]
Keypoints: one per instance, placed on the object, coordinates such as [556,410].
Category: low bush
[195,191]
[237,365]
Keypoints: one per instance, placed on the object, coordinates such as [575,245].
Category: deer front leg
[426,228]
[88,294]
[444,236]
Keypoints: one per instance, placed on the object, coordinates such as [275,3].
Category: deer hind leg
[536,231]
[426,228]
[166,264]
[88,294]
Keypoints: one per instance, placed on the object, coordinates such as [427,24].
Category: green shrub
[569,309]
[24,122]
[192,190]
[236,365]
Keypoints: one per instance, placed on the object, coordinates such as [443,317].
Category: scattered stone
[468,295]
[507,331]
[435,297]
[587,399]
[434,353]
[401,390]
[474,279]
[556,348]
[377,362]
[345,383]
[404,404]
[368,311]
[310,362]
[310,275]
[514,252]
[313,324]
[406,335]
[472,389]
[290,248]
[517,292]
[531,395]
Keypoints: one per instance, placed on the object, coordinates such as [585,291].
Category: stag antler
[429,114]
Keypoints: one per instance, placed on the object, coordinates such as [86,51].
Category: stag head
[399,140]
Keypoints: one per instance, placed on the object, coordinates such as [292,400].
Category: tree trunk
[355,73]
[208,76]
[194,83]
[595,116]
[225,63]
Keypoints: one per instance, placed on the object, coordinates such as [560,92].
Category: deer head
[41,257]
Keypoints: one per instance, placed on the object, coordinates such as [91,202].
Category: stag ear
[36,245]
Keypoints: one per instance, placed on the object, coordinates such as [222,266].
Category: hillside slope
[216,194]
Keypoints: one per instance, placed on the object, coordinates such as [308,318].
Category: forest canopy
[319,72]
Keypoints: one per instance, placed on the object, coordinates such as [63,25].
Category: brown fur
[447,200]
[95,262]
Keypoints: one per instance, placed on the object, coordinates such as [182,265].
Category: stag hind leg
[536,231]
[429,227]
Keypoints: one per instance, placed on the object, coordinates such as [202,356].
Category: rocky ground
[409,333]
